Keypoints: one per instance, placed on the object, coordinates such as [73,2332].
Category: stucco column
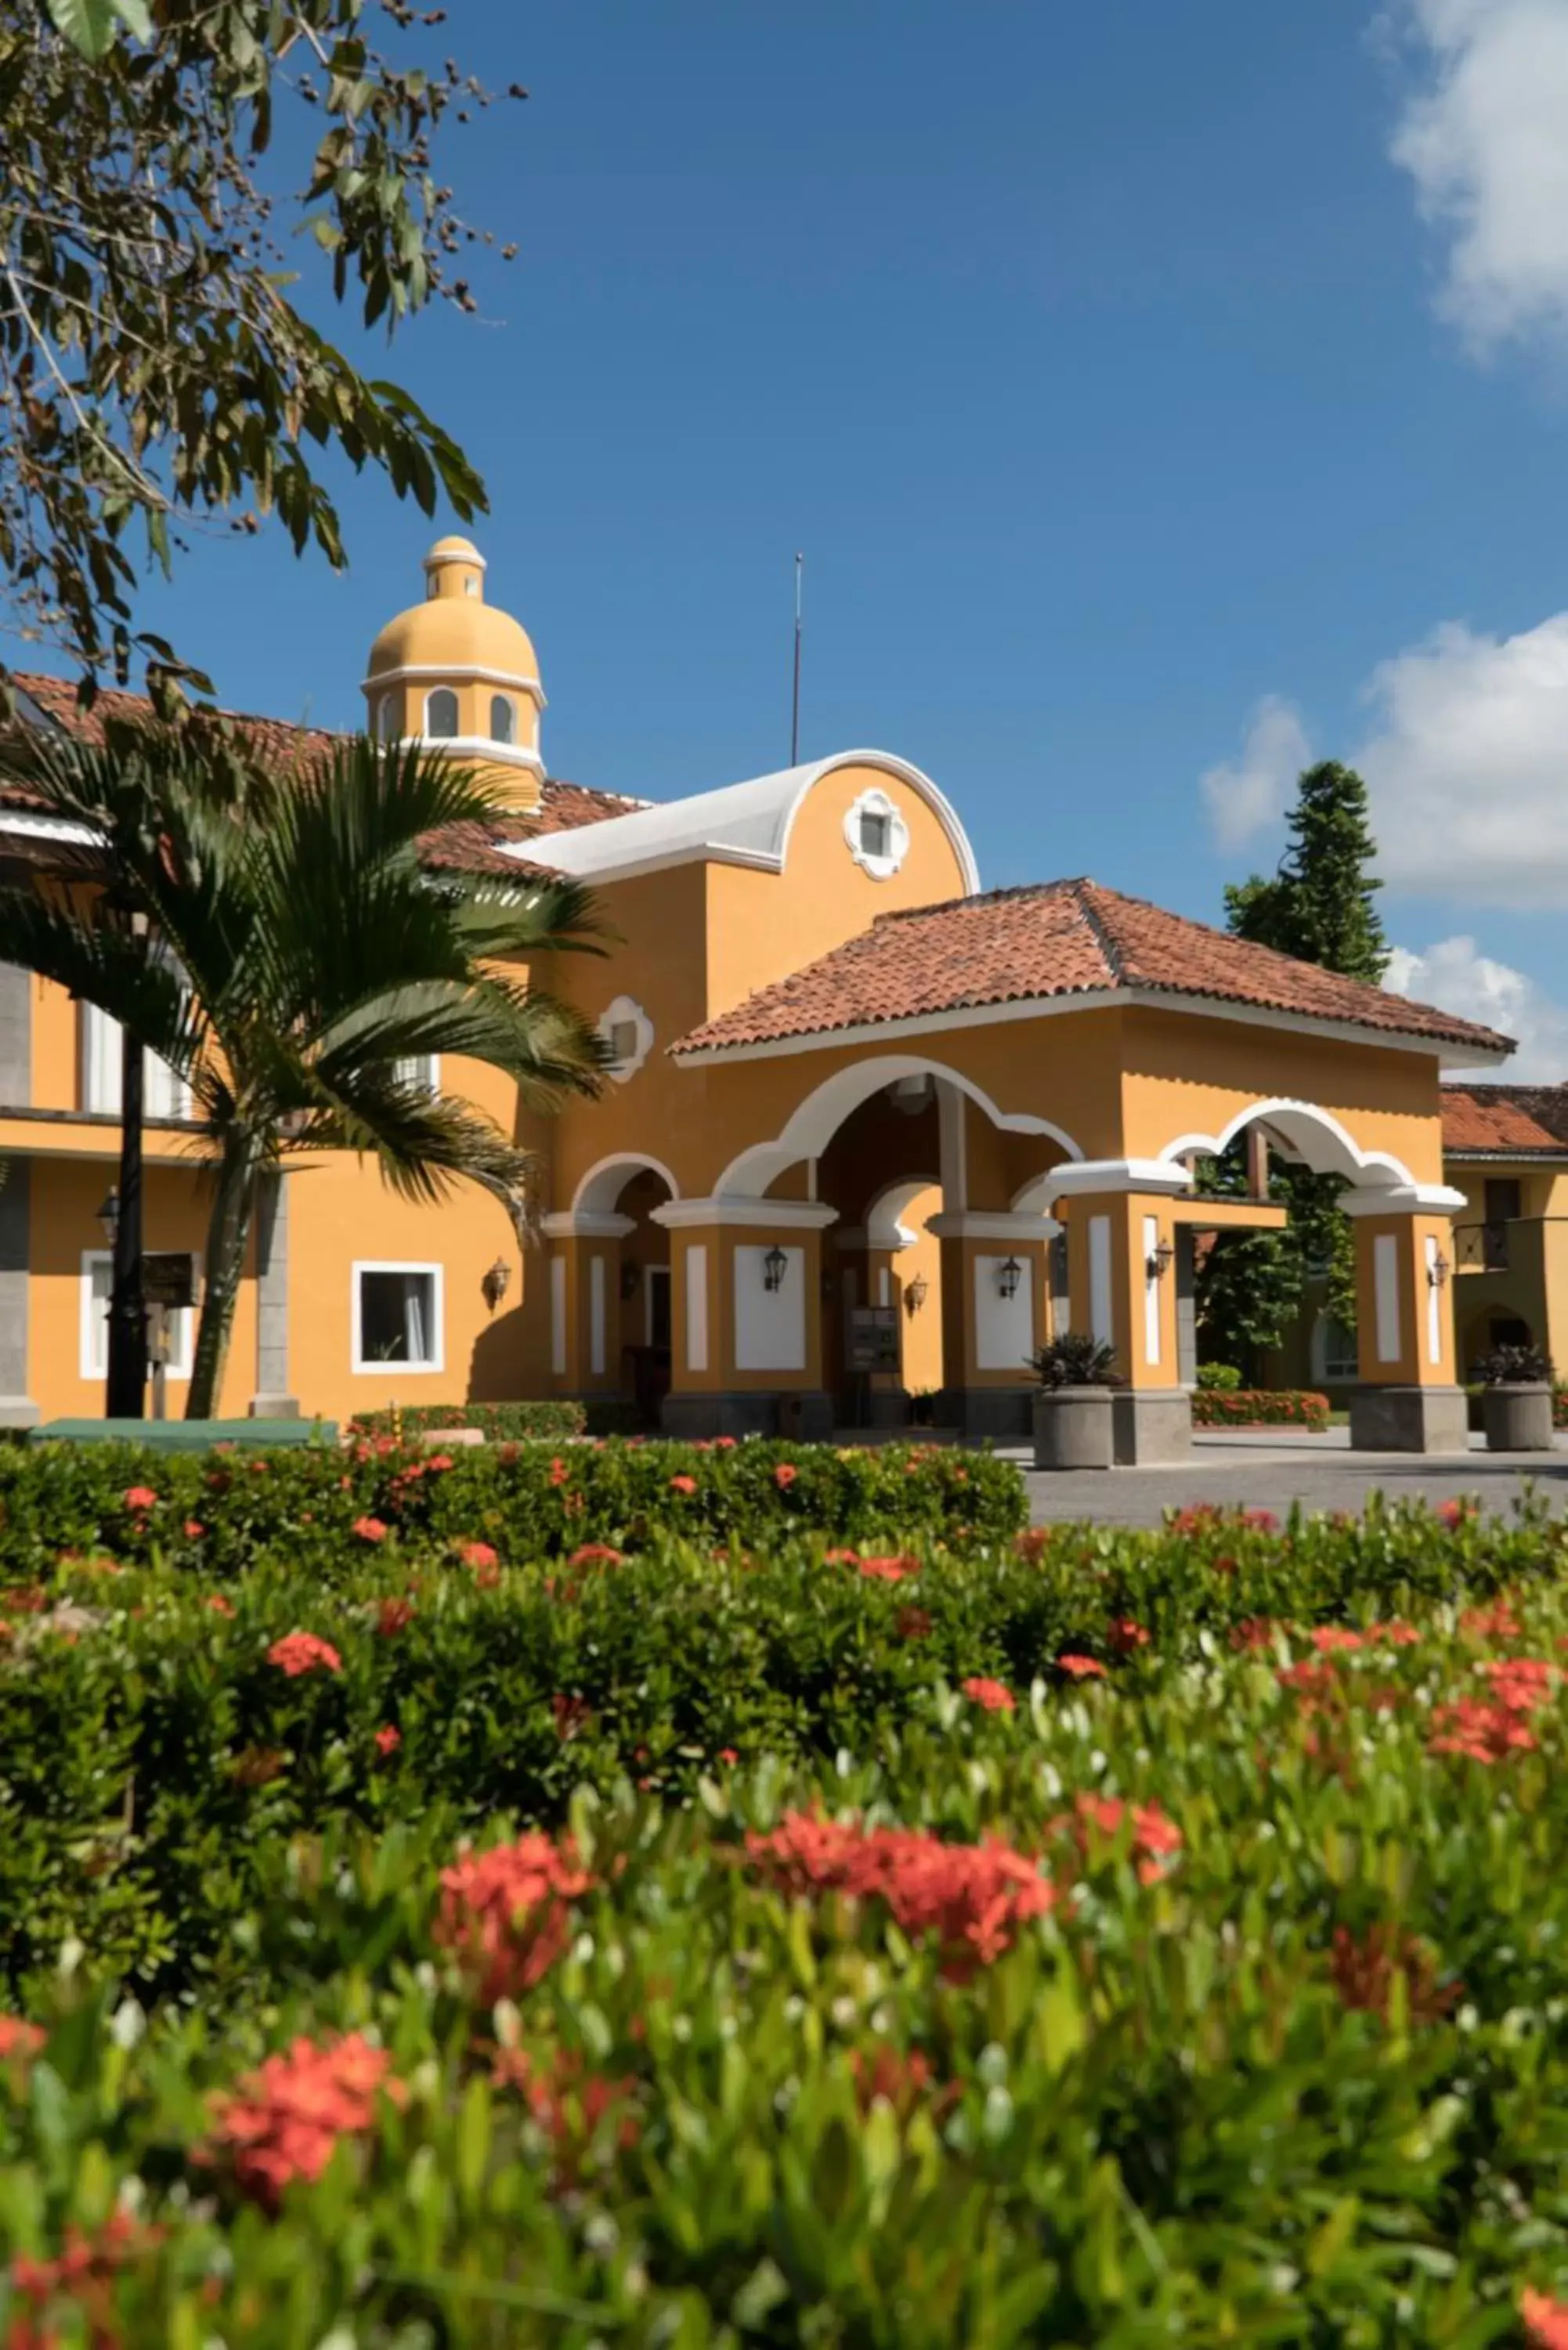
[995,1271]
[17,1409]
[1409,1399]
[748,1352]
[272,1399]
[585,1302]
[1121,1284]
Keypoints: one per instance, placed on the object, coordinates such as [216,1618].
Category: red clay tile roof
[469,847]
[1058,938]
[1517,1121]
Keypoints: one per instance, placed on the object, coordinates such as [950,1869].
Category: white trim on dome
[461,551]
[480,746]
[742,824]
[466,672]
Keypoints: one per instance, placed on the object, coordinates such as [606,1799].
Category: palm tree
[297,953]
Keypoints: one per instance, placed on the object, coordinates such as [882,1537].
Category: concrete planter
[1517,1418]
[1073,1428]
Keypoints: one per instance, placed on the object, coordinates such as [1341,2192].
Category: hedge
[1215,1996]
[515,1421]
[1260,1407]
[309,1506]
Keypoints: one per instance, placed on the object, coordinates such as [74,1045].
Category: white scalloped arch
[603,1184]
[813,1123]
[885,1225]
[1315,1134]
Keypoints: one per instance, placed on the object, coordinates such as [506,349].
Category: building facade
[868,1133]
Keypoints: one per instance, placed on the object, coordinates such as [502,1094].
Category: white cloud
[1254,793]
[1484,135]
[1453,975]
[1468,765]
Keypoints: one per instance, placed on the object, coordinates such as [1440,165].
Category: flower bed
[318,1507]
[1083,1937]
[1260,1407]
[512,1423]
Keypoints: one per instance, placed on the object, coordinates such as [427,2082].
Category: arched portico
[609,1274]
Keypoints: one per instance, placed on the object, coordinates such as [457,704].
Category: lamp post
[125,1389]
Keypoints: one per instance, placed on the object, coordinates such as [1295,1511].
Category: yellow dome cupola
[454,671]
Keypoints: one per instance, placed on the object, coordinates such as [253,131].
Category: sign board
[169,1278]
[874,1338]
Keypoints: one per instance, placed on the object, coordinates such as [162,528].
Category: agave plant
[287,951]
[1075,1359]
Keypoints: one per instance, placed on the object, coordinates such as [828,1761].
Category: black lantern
[1008,1277]
[916,1293]
[1437,1271]
[109,1215]
[1156,1264]
[775,1265]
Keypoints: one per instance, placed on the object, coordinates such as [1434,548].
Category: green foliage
[159,354]
[1234,1406]
[1076,1359]
[294,955]
[1320,905]
[1214,1378]
[1279,2060]
[516,1421]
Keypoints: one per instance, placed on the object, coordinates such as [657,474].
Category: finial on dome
[454,567]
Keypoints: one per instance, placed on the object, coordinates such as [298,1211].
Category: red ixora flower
[971,1897]
[1154,1837]
[140,1497]
[389,1738]
[283,2121]
[437,1462]
[595,1554]
[889,1570]
[572,1714]
[302,1652]
[1126,1635]
[683,1485]
[913,1623]
[724,1443]
[84,2271]
[728,1754]
[1082,1668]
[476,1554]
[194,1529]
[392,1616]
[558,1470]
[1454,1515]
[19,2038]
[994,1696]
[1545,2320]
[218,1603]
[506,1913]
[370,1530]
[784,1475]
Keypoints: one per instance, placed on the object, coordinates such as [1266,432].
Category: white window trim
[375,1363]
[626,1011]
[877,802]
[178,1366]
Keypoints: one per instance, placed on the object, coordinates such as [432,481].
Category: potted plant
[1073,1426]
[1516,1399]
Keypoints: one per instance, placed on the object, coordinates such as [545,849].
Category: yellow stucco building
[869,1132]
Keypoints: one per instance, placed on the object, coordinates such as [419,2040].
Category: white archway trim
[885,1225]
[588,1225]
[813,1123]
[1093,1175]
[1406,1200]
[1317,1138]
[773,1215]
[992,1225]
[604,1181]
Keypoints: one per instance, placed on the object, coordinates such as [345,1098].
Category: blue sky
[1159,394]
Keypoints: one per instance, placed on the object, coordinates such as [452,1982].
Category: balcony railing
[1481,1248]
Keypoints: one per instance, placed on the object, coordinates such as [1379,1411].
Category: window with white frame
[503,719]
[875,834]
[397,1318]
[164,1095]
[419,1070]
[387,718]
[97,1281]
[441,713]
[1334,1350]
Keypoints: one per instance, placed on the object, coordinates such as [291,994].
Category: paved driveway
[1275,1472]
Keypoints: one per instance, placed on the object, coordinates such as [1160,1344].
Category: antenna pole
[794,718]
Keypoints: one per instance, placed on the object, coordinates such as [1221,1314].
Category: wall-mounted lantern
[1158,1262]
[1008,1277]
[494,1284]
[775,1265]
[1439,1270]
[630,1274]
[109,1213]
[916,1293]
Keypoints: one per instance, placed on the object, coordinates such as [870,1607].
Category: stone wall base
[275,1407]
[19,1411]
[739,1411]
[1006,1415]
[1151,1426]
[1409,1420]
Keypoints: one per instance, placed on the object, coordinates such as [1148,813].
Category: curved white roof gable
[743,823]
